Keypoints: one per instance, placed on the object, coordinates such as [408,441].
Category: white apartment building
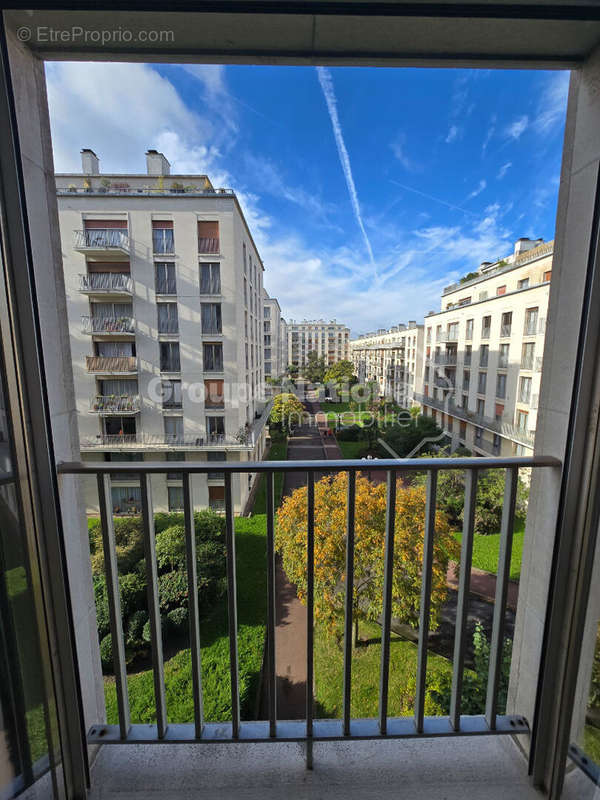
[483,353]
[272,345]
[165,309]
[393,359]
[329,339]
[283,345]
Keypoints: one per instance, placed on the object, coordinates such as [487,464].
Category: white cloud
[452,134]
[399,150]
[330,98]
[491,129]
[503,170]
[518,127]
[480,187]
[553,103]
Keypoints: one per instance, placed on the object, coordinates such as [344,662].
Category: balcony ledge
[480,768]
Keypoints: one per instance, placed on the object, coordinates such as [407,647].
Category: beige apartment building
[483,353]
[272,344]
[393,359]
[165,309]
[329,339]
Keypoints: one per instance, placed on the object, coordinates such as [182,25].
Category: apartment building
[165,308]
[393,359]
[272,345]
[329,339]
[483,353]
[283,345]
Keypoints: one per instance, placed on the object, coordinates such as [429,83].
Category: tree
[315,368]
[292,370]
[490,496]
[369,542]
[286,411]
[408,434]
[342,372]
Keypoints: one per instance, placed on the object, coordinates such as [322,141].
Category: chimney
[90,163]
[156,163]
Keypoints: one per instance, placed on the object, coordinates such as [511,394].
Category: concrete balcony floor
[477,768]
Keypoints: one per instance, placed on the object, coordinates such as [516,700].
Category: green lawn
[352,449]
[486,548]
[365,676]
[591,742]
[251,594]
[277,452]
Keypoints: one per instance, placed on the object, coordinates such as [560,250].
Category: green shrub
[209,525]
[172,590]
[166,519]
[132,587]
[100,597]
[170,548]
[135,628]
[106,653]
[178,620]
[352,433]
[129,543]
[595,683]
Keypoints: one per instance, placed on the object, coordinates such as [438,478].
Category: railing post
[271,621]
[310,605]
[349,600]
[390,529]
[232,608]
[192,569]
[425,598]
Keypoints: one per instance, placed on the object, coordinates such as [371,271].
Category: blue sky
[367,190]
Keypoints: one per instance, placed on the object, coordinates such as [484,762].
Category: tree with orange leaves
[369,542]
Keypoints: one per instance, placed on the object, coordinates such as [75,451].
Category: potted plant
[105,186]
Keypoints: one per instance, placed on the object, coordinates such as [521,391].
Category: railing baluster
[462,605]
[271,674]
[310,605]
[496,646]
[349,601]
[190,550]
[390,527]
[232,608]
[153,605]
[114,602]
[425,598]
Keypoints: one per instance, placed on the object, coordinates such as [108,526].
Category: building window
[501,385]
[486,325]
[524,389]
[175,476]
[211,318]
[484,352]
[522,420]
[266,312]
[503,356]
[499,412]
[165,277]
[481,382]
[214,396]
[210,278]
[175,498]
[531,322]
[216,498]
[169,357]
[496,444]
[501,290]
[438,333]
[506,325]
[463,431]
[466,380]
[527,353]
[547,276]
[168,320]
[468,353]
[478,434]
[215,428]
[268,353]
[208,237]
[267,327]
[171,394]
[452,331]
[126,499]
[173,429]
[428,335]
[469,330]
[267,341]
[465,401]
[523,283]
[162,237]
[216,476]
[480,406]
[213,356]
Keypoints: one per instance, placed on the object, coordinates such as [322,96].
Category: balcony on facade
[106,283]
[109,365]
[108,325]
[102,240]
[110,405]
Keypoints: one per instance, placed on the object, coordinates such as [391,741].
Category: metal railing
[102,239]
[309,729]
[115,404]
[111,363]
[119,282]
[136,441]
[108,325]
[168,326]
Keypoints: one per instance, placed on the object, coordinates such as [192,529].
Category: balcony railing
[167,441]
[111,363]
[309,730]
[506,429]
[115,404]
[168,326]
[106,282]
[108,324]
[208,244]
[102,239]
